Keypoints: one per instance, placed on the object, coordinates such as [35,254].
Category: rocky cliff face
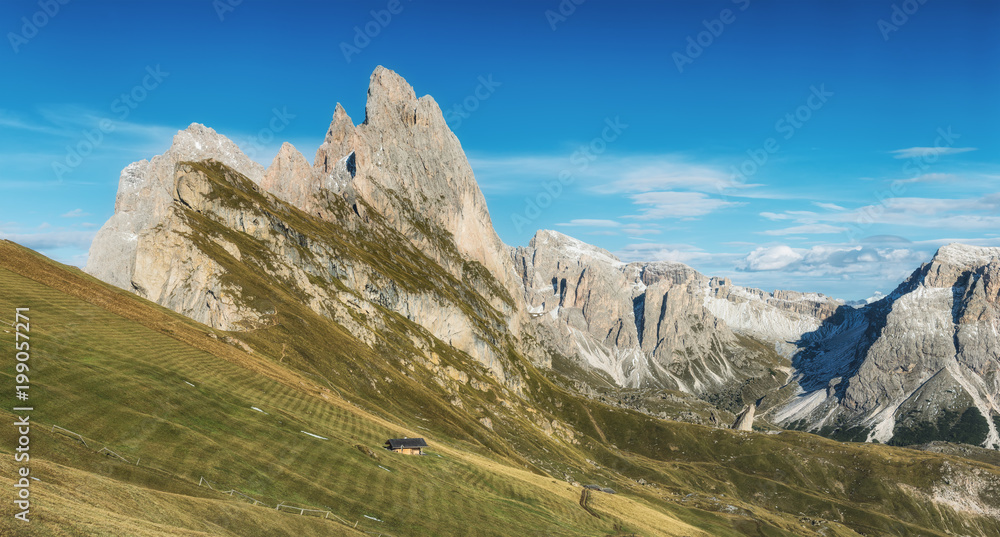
[388,220]
[919,365]
[663,324]
[406,164]
[145,195]
[399,176]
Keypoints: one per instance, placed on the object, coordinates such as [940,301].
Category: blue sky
[815,146]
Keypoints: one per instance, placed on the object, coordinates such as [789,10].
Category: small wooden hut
[406,446]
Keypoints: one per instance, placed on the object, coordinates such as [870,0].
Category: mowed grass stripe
[114,379]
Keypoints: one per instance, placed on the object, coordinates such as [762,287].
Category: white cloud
[936,213]
[769,258]
[834,260]
[927,178]
[656,205]
[590,222]
[670,173]
[917,152]
[777,216]
[829,206]
[677,253]
[75,213]
[808,229]
[52,239]
[639,231]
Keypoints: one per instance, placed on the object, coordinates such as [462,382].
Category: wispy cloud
[669,173]
[677,253]
[919,152]
[611,227]
[588,222]
[940,213]
[75,213]
[52,239]
[809,229]
[928,178]
[663,205]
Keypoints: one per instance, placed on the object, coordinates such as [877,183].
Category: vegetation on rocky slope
[178,402]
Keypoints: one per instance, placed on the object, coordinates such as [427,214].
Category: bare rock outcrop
[651,324]
[744,420]
[389,218]
[404,162]
[145,194]
[930,347]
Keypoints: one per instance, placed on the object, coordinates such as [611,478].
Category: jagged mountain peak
[964,255]
[387,83]
[145,195]
[402,174]
[341,127]
[198,142]
[290,176]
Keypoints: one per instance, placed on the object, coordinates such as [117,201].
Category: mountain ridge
[401,177]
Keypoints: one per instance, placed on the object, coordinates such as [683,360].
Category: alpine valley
[244,339]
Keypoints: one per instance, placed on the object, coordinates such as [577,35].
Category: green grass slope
[177,404]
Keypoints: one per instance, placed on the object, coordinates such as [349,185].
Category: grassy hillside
[179,403]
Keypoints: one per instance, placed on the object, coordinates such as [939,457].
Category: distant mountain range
[918,365]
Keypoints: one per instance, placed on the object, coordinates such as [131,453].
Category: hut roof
[401,443]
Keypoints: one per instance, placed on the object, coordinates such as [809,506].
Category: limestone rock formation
[662,324]
[145,194]
[930,349]
[744,420]
[388,219]
[404,162]
[290,177]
